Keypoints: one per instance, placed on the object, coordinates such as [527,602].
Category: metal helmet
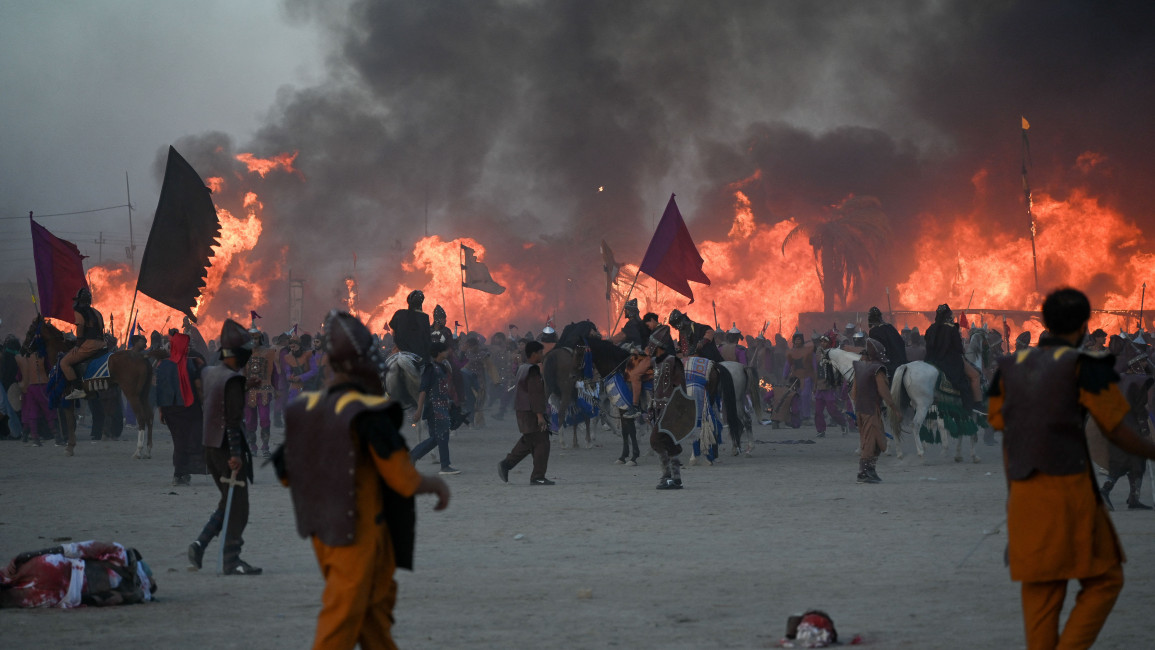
[351,349]
[661,339]
[875,351]
[415,298]
[235,340]
[798,336]
[631,308]
[676,319]
[1023,339]
[874,316]
[439,315]
[84,296]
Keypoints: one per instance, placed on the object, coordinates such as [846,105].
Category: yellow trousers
[357,606]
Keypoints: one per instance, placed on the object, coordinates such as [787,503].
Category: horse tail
[898,392]
[753,390]
[730,403]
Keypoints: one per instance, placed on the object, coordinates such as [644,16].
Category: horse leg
[916,428]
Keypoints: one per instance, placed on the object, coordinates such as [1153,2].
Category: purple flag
[59,272]
[672,258]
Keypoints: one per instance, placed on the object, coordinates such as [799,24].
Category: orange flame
[263,166]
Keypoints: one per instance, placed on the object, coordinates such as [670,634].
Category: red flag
[59,272]
[672,258]
[962,321]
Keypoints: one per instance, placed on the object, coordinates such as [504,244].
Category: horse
[128,370]
[562,369]
[843,362]
[914,385]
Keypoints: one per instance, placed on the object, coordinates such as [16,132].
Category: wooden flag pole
[464,314]
[130,310]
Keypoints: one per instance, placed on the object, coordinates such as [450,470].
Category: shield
[680,416]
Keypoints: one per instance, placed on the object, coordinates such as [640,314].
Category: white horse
[843,362]
[914,383]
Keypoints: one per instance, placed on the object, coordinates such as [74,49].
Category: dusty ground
[720,564]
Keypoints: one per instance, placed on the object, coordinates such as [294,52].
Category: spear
[716,325]
[889,307]
[1142,298]
[32,290]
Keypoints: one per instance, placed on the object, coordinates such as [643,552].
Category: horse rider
[411,330]
[732,349]
[90,340]
[694,339]
[635,336]
[891,340]
[440,332]
[944,351]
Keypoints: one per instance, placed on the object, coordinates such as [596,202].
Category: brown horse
[562,370]
[130,371]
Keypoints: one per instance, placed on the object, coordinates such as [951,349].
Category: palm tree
[844,245]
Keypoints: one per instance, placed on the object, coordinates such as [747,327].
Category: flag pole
[32,291]
[627,299]
[463,312]
[1027,196]
[1142,299]
[130,310]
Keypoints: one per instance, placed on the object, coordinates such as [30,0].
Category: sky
[538,128]
[93,90]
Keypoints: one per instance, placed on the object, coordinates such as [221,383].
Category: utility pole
[131,244]
[100,249]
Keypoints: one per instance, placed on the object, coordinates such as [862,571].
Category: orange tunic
[1057,529]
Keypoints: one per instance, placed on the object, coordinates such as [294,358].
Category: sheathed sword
[232,482]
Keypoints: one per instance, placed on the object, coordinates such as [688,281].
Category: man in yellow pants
[352,484]
[1057,526]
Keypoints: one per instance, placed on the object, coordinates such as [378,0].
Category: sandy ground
[720,564]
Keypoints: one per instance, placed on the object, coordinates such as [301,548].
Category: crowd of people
[350,469]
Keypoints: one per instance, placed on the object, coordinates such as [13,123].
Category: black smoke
[501,119]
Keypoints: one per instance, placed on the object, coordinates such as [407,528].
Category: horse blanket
[710,408]
[949,410]
[589,397]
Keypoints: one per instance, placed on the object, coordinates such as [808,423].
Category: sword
[232,482]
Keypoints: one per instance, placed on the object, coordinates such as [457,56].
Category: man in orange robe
[1057,526]
[352,484]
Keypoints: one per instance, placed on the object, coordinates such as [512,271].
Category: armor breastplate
[1042,416]
[213,380]
[257,372]
[321,460]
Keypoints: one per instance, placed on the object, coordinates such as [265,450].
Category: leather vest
[93,329]
[866,397]
[1043,418]
[321,459]
[213,380]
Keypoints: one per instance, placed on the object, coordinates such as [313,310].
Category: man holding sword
[227,453]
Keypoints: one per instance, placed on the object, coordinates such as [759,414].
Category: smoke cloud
[500,120]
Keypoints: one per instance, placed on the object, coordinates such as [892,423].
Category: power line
[65,214]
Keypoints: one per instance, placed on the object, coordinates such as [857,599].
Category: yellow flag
[1026,124]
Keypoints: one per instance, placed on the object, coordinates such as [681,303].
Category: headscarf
[179,355]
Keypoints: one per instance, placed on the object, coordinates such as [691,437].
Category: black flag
[184,230]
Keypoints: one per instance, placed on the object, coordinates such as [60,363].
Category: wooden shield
[680,417]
